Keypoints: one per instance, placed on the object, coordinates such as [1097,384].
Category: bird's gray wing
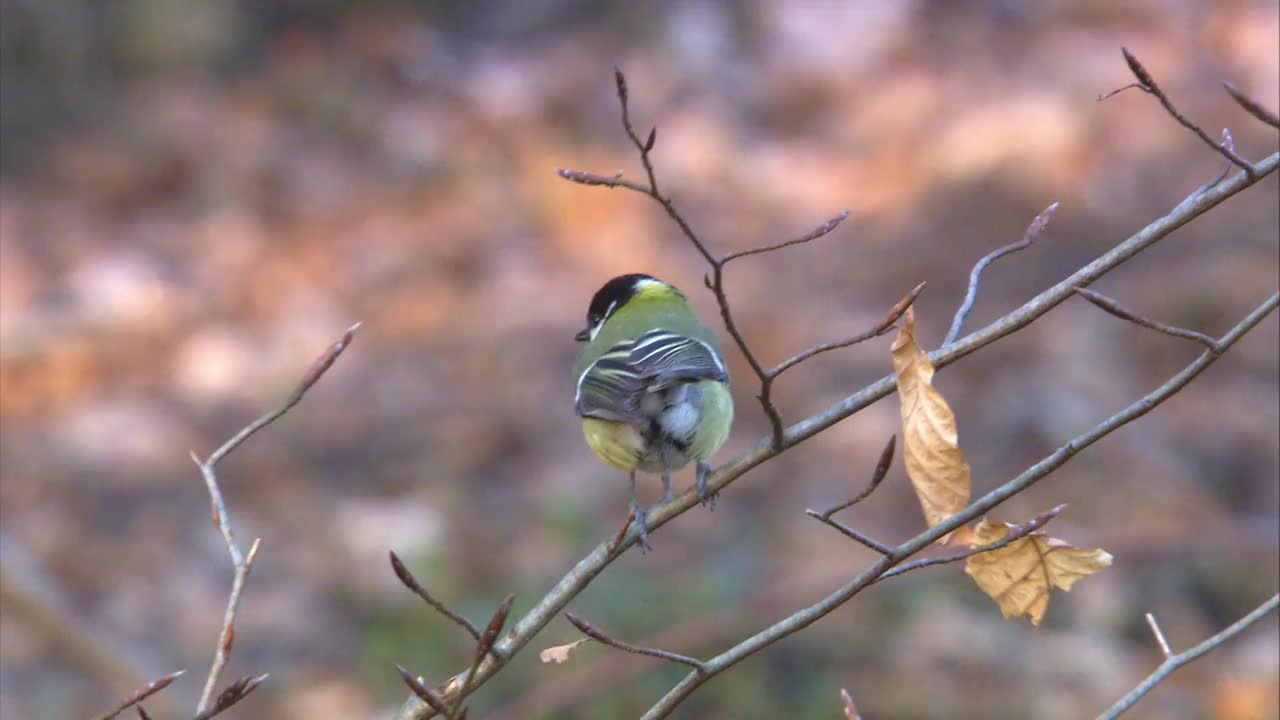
[613,387]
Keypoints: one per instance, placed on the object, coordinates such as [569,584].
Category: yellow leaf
[559,653]
[937,468]
[1020,575]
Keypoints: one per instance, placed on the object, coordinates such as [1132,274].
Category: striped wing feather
[613,387]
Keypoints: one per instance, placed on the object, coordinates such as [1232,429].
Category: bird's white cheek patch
[595,329]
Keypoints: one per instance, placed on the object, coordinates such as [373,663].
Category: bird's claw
[642,531]
[708,499]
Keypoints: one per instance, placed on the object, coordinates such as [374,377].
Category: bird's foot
[708,499]
[642,526]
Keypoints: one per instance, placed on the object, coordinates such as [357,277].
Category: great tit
[652,389]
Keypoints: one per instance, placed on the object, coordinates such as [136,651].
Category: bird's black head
[611,296]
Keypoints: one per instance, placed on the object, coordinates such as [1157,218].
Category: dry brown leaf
[964,535]
[1020,575]
[937,468]
[559,653]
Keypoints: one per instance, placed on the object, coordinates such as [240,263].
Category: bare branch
[816,233]
[1227,165]
[420,689]
[975,276]
[644,147]
[622,531]
[1147,84]
[243,564]
[483,648]
[1117,91]
[595,634]
[882,327]
[1014,534]
[715,281]
[583,177]
[1252,106]
[309,378]
[851,533]
[578,577]
[846,702]
[1155,630]
[230,695]
[1120,311]
[809,615]
[877,477]
[412,583]
[152,688]
[1173,662]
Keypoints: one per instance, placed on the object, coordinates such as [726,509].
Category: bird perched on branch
[652,388]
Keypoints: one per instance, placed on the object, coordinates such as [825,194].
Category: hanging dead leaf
[559,653]
[936,466]
[1020,575]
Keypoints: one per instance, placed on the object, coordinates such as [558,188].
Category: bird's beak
[583,336]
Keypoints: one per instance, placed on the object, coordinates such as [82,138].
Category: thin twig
[622,531]
[1147,84]
[583,177]
[814,234]
[847,705]
[851,533]
[1155,630]
[1227,165]
[420,689]
[883,326]
[877,476]
[230,695]
[803,618]
[483,648]
[1252,106]
[1014,534]
[580,575]
[975,276]
[595,634]
[1117,91]
[152,688]
[1173,662]
[1114,308]
[243,564]
[409,581]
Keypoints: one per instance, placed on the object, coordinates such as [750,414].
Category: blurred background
[197,197]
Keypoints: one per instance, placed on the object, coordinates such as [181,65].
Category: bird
[651,386]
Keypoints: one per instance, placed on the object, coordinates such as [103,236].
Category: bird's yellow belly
[617,444]
[626,447]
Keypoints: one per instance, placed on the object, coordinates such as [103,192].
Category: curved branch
[1147,84]
[578,577]
[814,234]
[807,616]
[975,276]
[243,563]
[1173,662]
[1114,308]
[595,634]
